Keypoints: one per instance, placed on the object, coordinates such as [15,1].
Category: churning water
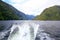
[31,30]
[27,31]
[23,31]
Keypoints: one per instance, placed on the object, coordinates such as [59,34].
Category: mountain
[8,12]
[51,13]
[30,17]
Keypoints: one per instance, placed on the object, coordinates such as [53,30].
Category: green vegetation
[52,13]
[7,12]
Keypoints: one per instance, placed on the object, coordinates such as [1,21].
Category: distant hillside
[30,17]
[7,12]
[51,13]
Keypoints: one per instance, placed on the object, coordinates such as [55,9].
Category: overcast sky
[32,7]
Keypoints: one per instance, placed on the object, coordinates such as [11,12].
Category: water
[23,31]
[32,30]
[42,35]
[3,34]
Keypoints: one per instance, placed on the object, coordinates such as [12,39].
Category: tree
[51,13]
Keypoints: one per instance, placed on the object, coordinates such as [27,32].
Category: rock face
[52,13]
[8,12]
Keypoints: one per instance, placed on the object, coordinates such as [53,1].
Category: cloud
[18,1]
[33,7]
